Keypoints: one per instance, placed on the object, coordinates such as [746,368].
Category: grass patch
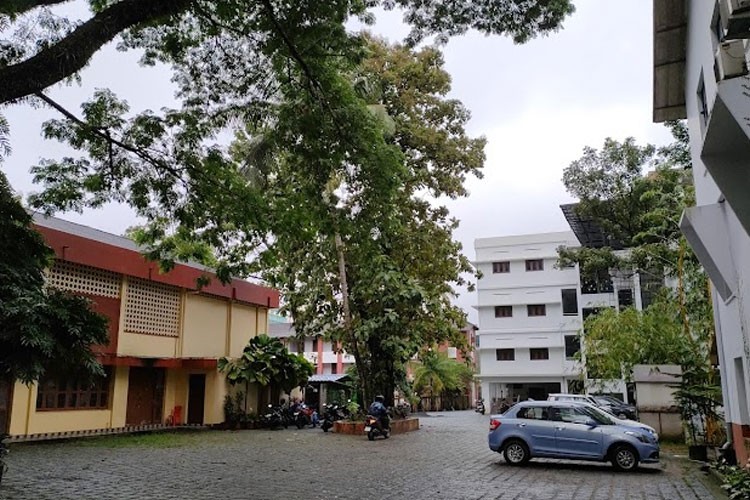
[170,439]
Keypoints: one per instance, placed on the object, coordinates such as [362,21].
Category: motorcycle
[305,415]
[272,418]
[374,428]
[333,412]
[480,406]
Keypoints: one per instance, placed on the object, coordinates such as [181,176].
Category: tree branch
[103,134]
[18,7]
[73,52]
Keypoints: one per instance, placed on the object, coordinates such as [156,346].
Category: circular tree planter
[358,428]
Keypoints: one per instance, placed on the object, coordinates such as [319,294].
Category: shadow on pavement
[603,468]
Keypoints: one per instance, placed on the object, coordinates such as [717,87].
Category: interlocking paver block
[447,458]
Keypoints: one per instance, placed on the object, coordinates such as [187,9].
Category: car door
[573,438]
[533,423]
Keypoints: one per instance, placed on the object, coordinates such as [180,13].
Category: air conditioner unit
[735,17]
[731,60]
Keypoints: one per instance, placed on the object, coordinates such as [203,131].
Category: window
[452,352]
[535,265]
[505,354]
[501,267]
[625,298]
[316,340]
[532,413]
[537,309]
[568,414]
[570,302]
[539,354]
[503,311]
[572,346]
[702,101]
[600,283]
[334,367]
[69,393]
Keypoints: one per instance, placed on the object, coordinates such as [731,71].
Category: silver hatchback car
[576,431]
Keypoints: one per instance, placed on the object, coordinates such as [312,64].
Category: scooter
[374,428]
[333,412]
[480,406]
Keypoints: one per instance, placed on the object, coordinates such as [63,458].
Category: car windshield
[600,416]
[609,399]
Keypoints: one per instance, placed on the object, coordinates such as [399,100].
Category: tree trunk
[364,379]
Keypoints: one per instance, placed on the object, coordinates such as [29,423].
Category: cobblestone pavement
[447,458]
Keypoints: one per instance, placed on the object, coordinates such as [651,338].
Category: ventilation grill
[152,308]
[78,278]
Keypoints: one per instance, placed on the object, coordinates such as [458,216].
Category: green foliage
[342,137]
[266,361]
[615,341]
[436,373]
[42,330]
[736,480]
[641,213]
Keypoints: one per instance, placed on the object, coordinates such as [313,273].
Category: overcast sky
[538,105]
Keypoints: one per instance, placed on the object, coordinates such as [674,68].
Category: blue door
[573,439]
[533,422]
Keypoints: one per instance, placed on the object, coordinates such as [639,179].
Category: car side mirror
[586,421]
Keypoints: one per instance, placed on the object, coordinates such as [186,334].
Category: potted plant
[698,400]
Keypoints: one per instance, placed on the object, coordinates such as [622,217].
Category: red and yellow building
[165,337]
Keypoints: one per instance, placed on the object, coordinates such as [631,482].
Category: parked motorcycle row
[298,415]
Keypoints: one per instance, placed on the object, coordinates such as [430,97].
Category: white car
[573,398]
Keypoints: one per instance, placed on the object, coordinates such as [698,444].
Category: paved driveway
[447,458]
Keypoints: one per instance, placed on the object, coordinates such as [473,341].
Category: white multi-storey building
[529,317]
[701,73]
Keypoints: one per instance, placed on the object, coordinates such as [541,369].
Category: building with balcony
[165,337]
[701,73]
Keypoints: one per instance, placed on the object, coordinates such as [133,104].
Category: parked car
[607,403]
[618,408]
[571,430]
[573,398]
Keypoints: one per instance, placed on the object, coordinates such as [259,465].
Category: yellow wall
[119,397]
[25,419]
[243,328]
[204,328]
[216,389]
[146,346]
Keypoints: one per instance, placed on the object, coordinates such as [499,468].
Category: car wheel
[516,452]
[624,458]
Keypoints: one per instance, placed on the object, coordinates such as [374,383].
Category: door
[532,423]
[575,439]
[145,396]
[5,400]
[196,398]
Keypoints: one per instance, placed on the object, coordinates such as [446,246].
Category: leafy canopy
[43,331]
[642,212]
[265,361]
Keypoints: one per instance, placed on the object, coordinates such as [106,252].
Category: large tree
[344,188]
[43,331]
[263,25]
[639,211]
[359,255]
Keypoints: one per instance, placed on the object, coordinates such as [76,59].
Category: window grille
[78,278]
[152,308]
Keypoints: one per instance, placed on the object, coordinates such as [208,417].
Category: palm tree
[437,373]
